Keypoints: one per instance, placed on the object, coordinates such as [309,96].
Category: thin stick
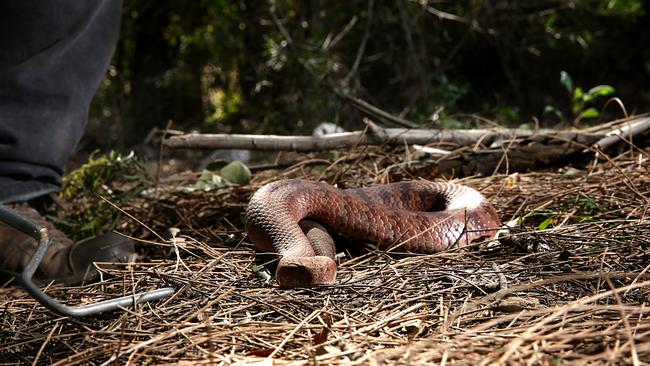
[47,340]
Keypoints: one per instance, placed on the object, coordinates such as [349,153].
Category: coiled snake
[291,218]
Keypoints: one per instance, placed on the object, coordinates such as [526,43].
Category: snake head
[305,272]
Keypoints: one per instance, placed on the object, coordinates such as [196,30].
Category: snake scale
[291,218]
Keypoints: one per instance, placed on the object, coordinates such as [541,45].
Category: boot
[65,261]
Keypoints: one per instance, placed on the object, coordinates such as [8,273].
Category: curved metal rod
[25,278]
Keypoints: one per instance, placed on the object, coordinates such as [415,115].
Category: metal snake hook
[25,278]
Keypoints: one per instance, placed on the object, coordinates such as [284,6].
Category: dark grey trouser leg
[53,55]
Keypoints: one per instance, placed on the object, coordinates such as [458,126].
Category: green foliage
[581,101]
[113,176]
[268,66]
[236,172]
[546,223]
[583,204]
[219,175]
[579,209]
[443,101]
[622,8]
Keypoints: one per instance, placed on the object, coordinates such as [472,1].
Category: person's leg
[54,54]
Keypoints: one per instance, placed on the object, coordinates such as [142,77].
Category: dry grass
[575,293]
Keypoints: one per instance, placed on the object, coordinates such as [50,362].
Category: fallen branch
[464,153]
[625,133]
[385,136]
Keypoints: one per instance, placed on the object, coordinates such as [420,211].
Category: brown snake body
[291,218]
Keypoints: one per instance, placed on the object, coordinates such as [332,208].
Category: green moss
[114,177]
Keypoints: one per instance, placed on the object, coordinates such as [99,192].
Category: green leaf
[599,91]
[589,113]
[550,21]
[546,223]
[527,126]
[578,94]
[554,111]
[209,181]
[236,172]
[216,165]
[566,80]
[578,100]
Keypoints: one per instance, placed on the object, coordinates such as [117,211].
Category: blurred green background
[270,66]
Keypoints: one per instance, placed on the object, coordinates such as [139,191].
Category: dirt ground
[568,284]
